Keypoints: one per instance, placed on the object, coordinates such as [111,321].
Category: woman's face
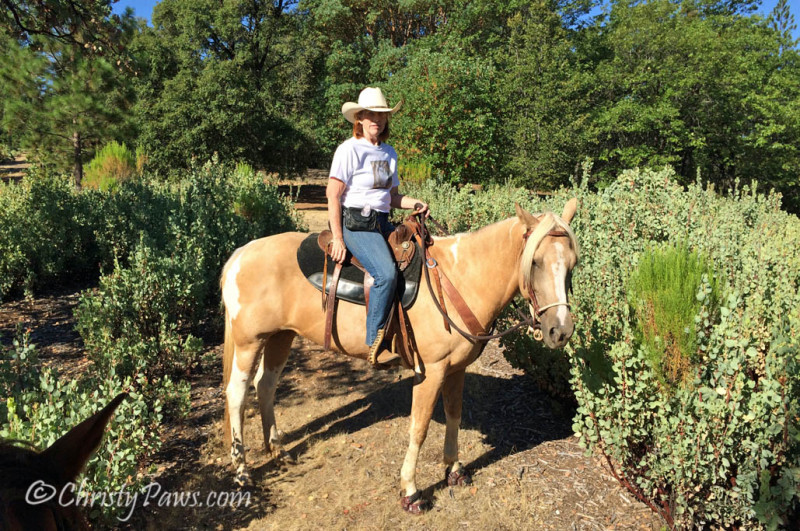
[373,123]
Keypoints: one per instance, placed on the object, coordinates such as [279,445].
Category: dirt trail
[308,193]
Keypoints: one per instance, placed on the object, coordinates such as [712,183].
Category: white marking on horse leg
[266,383]
[409,471]
[236,393]
[230,291]
[559,269]
[451,443]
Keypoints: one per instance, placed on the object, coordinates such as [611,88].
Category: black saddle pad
[351,280]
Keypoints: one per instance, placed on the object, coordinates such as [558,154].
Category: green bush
[723,448]
[38,407]
[50,232]
[461,209]
[136,322]
[665,296]
[449,118]
[146,314]
[113,164]
[162,246]
[414,172]
[46,233]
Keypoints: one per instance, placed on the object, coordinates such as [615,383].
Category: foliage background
[494,92]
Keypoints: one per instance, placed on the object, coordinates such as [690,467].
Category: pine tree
[60,100]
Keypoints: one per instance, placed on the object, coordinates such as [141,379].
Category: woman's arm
[334,193]
[403,201]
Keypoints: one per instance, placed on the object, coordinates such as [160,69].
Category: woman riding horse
[362,188]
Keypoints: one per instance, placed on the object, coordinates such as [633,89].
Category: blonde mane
[547,222]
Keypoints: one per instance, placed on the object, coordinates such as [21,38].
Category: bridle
[533,302]
[533,322]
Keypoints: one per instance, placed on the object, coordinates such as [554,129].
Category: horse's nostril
[557,335]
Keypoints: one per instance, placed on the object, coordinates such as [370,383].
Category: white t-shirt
[369,172]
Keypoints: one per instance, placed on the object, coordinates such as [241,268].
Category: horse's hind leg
[242,370]
[453,396]
[276,352]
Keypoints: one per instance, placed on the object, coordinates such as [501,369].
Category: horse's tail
[227,364]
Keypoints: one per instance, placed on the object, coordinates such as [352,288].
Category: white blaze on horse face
[230,293]
[559,270]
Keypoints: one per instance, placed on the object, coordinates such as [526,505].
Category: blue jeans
[373,252]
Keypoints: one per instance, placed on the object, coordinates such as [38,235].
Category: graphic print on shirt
[382,177]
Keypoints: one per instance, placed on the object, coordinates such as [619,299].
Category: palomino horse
[22,471]
[268,302]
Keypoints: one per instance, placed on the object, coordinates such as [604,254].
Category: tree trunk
[77,171]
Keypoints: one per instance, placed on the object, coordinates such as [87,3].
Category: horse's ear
[569,209]
[525,217]
[71,452]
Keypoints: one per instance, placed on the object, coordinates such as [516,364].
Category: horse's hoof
[243,480]
[414,504]
[460,478]
[284,457]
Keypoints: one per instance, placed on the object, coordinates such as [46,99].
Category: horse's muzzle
[556,332]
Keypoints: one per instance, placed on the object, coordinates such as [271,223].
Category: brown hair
[358,130]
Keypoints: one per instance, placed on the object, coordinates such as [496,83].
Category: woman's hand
[421,207]
[338,250]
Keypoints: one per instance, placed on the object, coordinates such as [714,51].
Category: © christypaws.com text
[72,494]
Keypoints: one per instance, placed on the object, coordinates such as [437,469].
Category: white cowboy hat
[370,99]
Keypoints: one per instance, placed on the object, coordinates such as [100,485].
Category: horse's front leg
[453,394]
[426,392]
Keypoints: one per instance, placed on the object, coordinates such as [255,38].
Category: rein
[423,238]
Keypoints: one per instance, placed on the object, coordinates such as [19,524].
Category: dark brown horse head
[28,476]
[550,254]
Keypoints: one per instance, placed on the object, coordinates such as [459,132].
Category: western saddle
[401,243]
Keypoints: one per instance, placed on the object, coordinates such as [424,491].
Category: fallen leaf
[473,491]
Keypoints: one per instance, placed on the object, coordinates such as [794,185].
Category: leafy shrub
[45,233]
[42,407]
[450,117]
[414,172]
[132,323]
[145,316]
[663,295]
[163,246]
[142,160]
[722,449]
[111,165]
[18,368]
[50,231]
[462,208]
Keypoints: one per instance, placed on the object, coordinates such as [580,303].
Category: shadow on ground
[511,414]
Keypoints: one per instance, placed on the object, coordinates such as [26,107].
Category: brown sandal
[414,504]
[460,478]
